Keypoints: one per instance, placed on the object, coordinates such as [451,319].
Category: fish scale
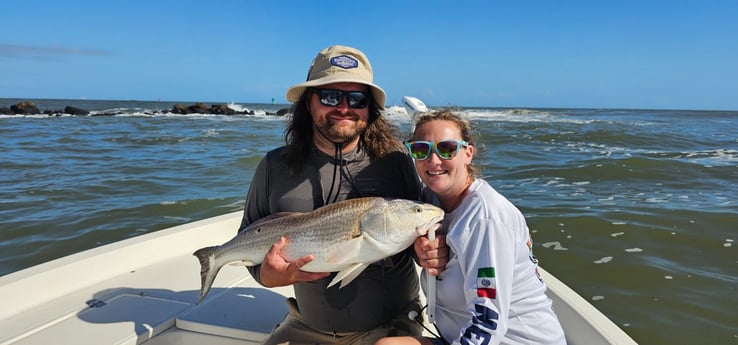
[344,237]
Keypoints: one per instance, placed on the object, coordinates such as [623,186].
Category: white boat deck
[145,289]
[134,290]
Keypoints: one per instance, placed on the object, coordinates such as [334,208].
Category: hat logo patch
[344,61]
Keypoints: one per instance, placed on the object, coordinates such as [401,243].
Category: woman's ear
[470,152]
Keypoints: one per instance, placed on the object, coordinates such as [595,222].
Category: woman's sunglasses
[445,149]
[332,98]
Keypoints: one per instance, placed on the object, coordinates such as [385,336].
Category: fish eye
[418,209]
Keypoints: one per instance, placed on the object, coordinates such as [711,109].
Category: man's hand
[432,255]
[276,271]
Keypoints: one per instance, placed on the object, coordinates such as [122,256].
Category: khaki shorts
[293,330]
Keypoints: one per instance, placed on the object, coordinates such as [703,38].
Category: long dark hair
[379,139]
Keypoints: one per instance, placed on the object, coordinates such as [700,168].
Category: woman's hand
[432,255]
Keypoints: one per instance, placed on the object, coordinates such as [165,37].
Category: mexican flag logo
[486,283]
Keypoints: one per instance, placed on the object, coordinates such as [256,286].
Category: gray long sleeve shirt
[385,288]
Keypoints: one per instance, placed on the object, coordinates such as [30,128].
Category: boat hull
[145,290]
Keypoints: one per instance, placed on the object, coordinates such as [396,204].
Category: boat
[144,290]
[413,105]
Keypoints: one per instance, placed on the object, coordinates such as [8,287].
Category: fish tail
[208,271]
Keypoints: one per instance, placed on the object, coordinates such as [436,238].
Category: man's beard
[341,134]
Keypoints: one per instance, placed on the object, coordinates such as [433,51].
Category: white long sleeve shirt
[491,292]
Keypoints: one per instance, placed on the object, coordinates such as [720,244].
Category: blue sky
[563,54]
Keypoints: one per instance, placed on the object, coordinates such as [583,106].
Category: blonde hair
[467,129]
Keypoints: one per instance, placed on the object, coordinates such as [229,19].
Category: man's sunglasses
[445,149]
[332,98]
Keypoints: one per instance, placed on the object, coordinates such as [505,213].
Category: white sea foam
[210,132]
[556,245]
[238,107]
[502,114]
[179,219]
[603,260]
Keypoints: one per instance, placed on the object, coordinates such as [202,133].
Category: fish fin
[208,269]
[344,251]
[356,231]
[256,226]
[242,263]
[348,274]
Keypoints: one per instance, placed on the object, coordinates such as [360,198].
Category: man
[338,146]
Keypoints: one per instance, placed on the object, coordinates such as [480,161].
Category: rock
[76,111]
[179,109]
[201,108]
[25,108]
[6,111]
[198,108]
[108,114]
[222,109]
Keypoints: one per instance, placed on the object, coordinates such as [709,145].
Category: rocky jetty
[201,108]
[29,108]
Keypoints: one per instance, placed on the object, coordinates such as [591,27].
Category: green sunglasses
[445,149]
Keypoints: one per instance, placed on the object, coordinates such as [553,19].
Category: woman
[490,291]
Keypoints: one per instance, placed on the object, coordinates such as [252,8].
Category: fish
[345,237]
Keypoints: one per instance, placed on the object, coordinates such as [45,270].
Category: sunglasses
[332,98]
[445,149]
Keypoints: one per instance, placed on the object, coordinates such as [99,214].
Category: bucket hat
[339,64]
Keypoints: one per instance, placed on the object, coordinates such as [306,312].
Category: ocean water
[636,210]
